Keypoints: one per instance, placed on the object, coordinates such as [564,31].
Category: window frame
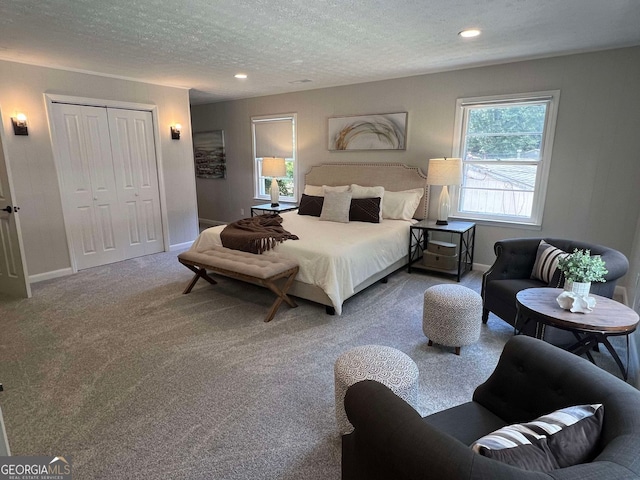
[257,161]
[463,106]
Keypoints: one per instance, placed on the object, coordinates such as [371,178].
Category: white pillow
[336,207]
[314,190]
[340,188]
[401,205]
[358,191]
[366,192]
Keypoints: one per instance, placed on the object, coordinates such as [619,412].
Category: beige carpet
[118,370]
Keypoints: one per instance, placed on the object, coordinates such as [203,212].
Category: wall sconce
[20,124]
[175,131]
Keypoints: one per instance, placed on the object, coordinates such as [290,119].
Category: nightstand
[266,207]
[457,264]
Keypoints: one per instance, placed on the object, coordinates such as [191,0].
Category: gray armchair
[511,272]
[532,378]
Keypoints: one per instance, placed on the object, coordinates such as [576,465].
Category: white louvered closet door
[109,183]
[135,165]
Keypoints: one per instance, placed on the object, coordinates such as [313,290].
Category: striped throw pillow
[547,262]
[559,439]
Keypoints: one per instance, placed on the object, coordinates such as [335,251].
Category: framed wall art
[209,155]
[368,132]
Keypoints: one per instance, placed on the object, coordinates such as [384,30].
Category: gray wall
[36,189]
[594,185]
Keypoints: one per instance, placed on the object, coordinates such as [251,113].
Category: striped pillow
[547,262]
[559,439]
[365,210]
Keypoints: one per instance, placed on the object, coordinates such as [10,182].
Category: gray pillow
[336,207]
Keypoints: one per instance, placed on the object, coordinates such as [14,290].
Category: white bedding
[334,256]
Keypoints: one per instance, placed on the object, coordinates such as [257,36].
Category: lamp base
[443,206]
[275,193]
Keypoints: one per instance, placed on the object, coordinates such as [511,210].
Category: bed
[338,260]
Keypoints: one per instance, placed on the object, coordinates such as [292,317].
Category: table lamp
[274,167]
[444,172]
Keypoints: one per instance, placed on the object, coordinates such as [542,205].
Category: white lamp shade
[444,171]
[273,167]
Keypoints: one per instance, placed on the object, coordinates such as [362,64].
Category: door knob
[8,209]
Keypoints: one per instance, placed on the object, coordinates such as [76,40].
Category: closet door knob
[8,209]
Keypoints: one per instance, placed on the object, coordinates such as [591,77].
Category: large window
[275,136]
[505,145]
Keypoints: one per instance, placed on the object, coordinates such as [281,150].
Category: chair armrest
[515,258]
[617,264]
[391,440]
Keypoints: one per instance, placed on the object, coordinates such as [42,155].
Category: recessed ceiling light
[240,75]
[469,33]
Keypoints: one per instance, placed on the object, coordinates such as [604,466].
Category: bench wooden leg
[281,295]
[199,273]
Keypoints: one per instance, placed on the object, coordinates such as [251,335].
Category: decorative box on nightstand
[440,255]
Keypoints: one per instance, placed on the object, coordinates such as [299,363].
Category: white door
[13,270]
[88,183]
[109,183]
[4,442]
[135,166]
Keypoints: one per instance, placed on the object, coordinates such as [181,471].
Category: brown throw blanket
[256,234]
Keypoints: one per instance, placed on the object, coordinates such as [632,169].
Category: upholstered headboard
[394,177]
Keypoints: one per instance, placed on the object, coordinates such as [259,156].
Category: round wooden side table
[609,318]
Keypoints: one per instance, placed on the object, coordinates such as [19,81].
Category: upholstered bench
[261,270]
[386,365]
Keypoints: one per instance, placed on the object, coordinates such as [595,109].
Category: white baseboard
[180,246]
[40,277]
[481,267]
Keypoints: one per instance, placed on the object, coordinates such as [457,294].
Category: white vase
[579,288]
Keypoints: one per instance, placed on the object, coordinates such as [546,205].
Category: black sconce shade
[19,126]
[175,132]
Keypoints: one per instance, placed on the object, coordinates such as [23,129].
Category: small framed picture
[208,152]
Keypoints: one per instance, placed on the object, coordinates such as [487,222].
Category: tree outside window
[505,144]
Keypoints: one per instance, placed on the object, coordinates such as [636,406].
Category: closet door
[134,160]
[81,135]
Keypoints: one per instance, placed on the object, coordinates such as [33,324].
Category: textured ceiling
[201,44]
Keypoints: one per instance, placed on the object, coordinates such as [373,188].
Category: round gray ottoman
[386,365]
[452,315]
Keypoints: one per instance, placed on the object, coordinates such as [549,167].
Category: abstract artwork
[368,132]
[208,152]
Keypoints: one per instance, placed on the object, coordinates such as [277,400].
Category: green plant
[581,266]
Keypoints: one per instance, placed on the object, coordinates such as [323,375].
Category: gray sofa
[511,272]
[392,441]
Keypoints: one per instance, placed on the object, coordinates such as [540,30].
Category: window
[505,145]
[275,136]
